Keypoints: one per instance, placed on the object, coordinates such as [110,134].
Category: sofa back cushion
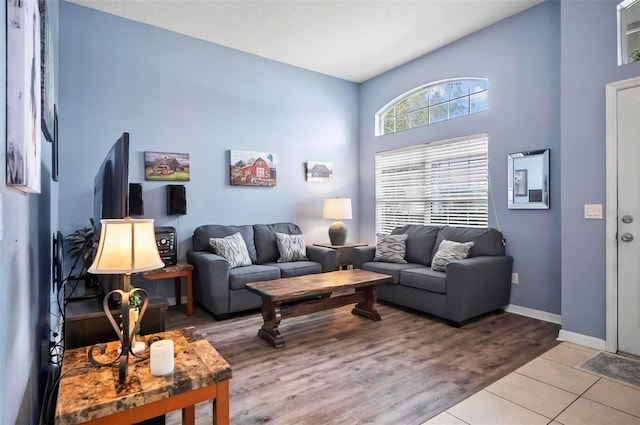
[485,241]
[265,240]
[202,234]
[420,242]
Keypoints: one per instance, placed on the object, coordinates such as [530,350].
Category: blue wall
[174,93]
[521,58]
[25,276]
[589,62]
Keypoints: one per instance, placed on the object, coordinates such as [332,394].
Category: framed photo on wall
[319,171]
[167,166]
[520,182]
[23,95]
[251,168]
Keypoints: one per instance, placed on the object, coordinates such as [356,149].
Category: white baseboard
[580,339]
[534,314]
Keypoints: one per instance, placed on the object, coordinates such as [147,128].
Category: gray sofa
[221,289]
[467,288]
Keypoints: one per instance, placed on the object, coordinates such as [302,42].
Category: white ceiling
[354,40]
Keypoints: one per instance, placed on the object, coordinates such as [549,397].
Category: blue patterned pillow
[391,248]
[291,247]
[233,249]
[449,251]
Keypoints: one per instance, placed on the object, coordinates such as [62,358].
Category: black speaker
[176,199]
[136,205]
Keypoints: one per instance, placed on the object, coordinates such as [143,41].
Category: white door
[628,125]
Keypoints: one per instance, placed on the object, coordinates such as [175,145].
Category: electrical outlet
[514,278]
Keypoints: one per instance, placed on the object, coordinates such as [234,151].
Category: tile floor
[549,390]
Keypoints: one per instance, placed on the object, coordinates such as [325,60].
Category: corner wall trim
[580,339]
[534,314]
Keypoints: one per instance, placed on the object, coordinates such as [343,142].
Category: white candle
[161,357]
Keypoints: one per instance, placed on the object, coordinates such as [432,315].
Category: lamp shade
[337,208]
[126,246]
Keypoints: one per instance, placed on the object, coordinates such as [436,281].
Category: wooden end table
[176,272]
[94,395]
[344,253]
[275,292]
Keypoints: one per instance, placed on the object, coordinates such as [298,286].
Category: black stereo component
[136,204]
[167,245]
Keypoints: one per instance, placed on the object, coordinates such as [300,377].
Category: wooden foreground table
[90,394]
[275,292]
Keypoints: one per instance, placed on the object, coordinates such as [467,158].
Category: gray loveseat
[221,289]
[467,288]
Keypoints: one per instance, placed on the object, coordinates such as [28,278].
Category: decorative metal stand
[127,334]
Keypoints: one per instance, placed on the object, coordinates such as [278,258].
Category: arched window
[433,102]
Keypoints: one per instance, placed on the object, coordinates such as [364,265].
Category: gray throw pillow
[390,248]
[449,251]
[233,249]
[291,247]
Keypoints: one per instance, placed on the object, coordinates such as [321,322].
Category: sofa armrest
[362,254]
[210,281]
[477,285]
[325,256]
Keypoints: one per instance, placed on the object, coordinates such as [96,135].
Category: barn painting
[250,168]
[167,166]
[318,171]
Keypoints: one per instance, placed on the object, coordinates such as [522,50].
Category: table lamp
[126,246]
[337,209]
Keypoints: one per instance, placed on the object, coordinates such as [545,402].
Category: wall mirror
[528,181]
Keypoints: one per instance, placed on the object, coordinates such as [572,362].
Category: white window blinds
[443,183]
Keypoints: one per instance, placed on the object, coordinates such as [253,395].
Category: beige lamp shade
[126,246]
[337,208]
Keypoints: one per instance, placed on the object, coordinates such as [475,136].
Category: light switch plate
[593,211]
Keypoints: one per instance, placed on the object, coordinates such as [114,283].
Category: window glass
[433,103]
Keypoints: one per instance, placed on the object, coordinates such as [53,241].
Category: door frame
[611,216]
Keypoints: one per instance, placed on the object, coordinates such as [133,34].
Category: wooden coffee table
[275,292]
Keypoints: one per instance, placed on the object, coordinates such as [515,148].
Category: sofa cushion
[202,234]
[297,268]
[265,239]
[420,242]
[392,269]
[291,247]
[233,249]
[449,251]
[390,248]
[424,278]
[240,276]
[485,241]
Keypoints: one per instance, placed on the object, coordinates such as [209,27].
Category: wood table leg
[272,317]
[178,290]
[221,404]
[367,308]
[189,293]
[189,415]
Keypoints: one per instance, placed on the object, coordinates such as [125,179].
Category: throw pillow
[390,248]
[449,251]
[291,247]
[233,249]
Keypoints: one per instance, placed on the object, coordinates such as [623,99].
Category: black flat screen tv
[110,195]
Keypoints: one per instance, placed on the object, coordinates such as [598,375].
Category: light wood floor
[338,368]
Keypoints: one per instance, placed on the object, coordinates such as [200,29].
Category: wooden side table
[176,272]
[344,253]
[91,394]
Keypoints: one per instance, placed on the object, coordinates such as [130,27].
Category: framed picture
[167,166]
[47,71]
[54,146]
[318,171]
[23,95]
[520,182]
[250,168]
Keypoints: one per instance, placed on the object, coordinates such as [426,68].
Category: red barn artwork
[252,168]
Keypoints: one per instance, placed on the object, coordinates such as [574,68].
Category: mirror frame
[519,180]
